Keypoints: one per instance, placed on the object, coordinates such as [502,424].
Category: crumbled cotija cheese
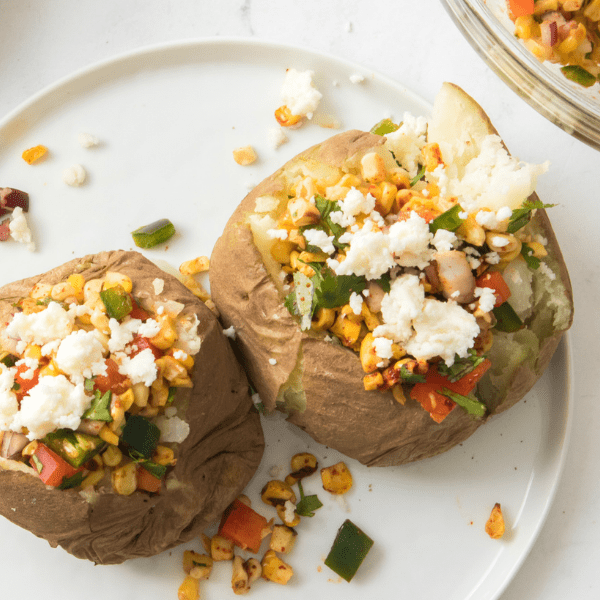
[158,285]
[407,141]
[74,175]
[8,400]
[172,429]
[39,328]
[320,239]
[356,303]
[276,137]
[299,94]
[53,403]
[122,333]
[383,347]
[442,329]
[140,369]
[354,203]
[81,355]
[19,229]
[487,298]
[87,140]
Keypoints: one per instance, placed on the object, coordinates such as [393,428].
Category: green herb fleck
[461,366]
[471,405]
[71,482]
[418,176]
[99,409]
[307,504]
[520,216]
[527,253]
[449,220]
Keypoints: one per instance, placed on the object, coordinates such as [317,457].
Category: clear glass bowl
[487,26]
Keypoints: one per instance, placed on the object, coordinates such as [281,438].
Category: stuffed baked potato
[126,423]
[392,290]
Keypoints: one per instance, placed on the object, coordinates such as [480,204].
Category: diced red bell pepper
[148,482]
[113,380]
[137,312]
[243,526]
[140,343]
[520,8]
[54,469]
[495,281]
[25,384]
[436,404]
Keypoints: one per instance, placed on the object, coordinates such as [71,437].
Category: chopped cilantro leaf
[307,504]
[461,366]
[520,216]
[527,253]
[471,405]
[418,176]
[99,410]
[333,290]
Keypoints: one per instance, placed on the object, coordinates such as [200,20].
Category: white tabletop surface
[417,44]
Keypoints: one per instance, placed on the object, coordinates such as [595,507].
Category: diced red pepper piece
[140,343]
[520,8]
[243,526]
[137,312]
[148,482]
[54,469]
[25,384]
[495,281]
[113,380]
[436,404]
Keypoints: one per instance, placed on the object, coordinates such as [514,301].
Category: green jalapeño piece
[349,549]
[151,235]
[117,302]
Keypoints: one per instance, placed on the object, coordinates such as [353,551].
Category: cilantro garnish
[395,159]
[527,253]
[471,405]
[307,504]
[520,216]
[418,176]
[333,290]
[461,366]
[99,410]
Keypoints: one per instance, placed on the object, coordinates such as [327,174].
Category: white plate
[168,118]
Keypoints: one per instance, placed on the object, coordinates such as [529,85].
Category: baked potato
[126,422]
[368,282]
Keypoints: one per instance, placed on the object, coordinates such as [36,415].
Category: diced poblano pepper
[75,447]
[349,549]
[151,235]
[117,302]
[140,436]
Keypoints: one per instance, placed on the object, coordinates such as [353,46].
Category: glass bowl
[488,28]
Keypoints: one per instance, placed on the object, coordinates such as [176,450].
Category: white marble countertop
[417,44]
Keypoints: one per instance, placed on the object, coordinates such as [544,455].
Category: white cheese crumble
[299,94]
[276,137]
[149,328]
[19,229]
[81,355]
[140,369]
[87,140]
[383,347]
[122,333]
[53,323]
[444,240]
[356,78]
[290,511]
[230,332]
[53,403]
[320,239]
[442,329]
[356,303]
[494,221]
[74,175]
[272,361]
[407,141]
[487,298]
[353,204]
[9,405]
[278,234]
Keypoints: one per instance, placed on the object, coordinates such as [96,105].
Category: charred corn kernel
[285,117]
[274,569]
[385,198]
[524,26]
[32,154]
[336,479]
[126,399]
[124,479]
[432,156]
[538,249]
[77,282]
[592,10]
[109,436]
[399,177]
[542,6]
[398,394]
[173,371]
[194,266]
[239,577]
[303,212]
[117,413]
[31,305]
[221,548]
[199,566]
[398,351]
[196,288]
[187,360]
[284,515]
[61,291]
[373,381]
[253,568]
[244,155]
[163,455]
[502,243]
[371,319]
[372,167]
[303,464]
[159,393]
[282,539]
[167,334]
[277,493]
[324,319]
[297,238]
[113,279]
[281,250]
[346,330]
[41,290]
[93,478]
[432,190]
[349,180]
[572,41]
[30,448]
[189,589]
[92,289]
[100,321]
[33,351]
[112,456]
[472,232]
[495,526]
[368,354]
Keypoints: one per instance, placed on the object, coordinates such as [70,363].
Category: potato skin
[214,462]
[366,425]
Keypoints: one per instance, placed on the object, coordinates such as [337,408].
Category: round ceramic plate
[168,118]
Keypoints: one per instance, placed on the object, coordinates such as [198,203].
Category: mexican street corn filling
[87,381]
[407,256]
[564,32]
